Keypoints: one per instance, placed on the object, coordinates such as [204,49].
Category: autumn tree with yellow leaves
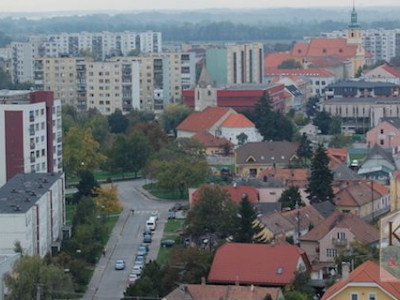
[107,198]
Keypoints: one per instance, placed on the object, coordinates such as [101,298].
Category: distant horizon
[75,6]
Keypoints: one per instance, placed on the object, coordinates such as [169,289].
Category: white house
[32,211]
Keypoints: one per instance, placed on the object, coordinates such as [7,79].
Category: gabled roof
[208,140]
[321,47]
[204,79]
[378,151]
[237,121]
[277,223]
[293,176]
[337,156]
[258,264]
[273,60]
[391,70]
[343,173]
[393,121]
[266,152]
[219,292]
[358,193]
[363,232]
[325,208]
[304,216]
[203,120]
[368,272]
[235,192]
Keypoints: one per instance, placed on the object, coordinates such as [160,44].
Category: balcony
[31,132]
[32,146]
[339,242]
[33,159]
[59,152]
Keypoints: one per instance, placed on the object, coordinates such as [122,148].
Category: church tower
[205,93]
[354,30]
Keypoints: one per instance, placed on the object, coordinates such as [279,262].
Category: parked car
[167,243]
[132,278]
[176,207]
[137,269]
[120,264]
[171,214]
[145,246]
[147,231]
[147,239]
[140,260]
[155,214]
[142,251]
[151,223]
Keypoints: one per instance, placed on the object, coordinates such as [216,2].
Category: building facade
[33,212]
[31,133]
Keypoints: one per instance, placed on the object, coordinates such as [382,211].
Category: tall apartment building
[163,76]
[149,42]
[236,64]
[113,85]
[33,213]
[22,60]
[65,76]
[383,44]
[30,133]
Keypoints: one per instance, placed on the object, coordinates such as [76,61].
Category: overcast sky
[123,5]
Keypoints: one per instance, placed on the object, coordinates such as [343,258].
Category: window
[382,142]
[354,296]
[341,235]
[331,252]
[372,296]
[381,131]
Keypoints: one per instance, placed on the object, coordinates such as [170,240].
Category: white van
[151,223]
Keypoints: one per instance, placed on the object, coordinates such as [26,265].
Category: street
[107,283]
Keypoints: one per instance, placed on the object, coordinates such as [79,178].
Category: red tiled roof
[321,47]
[363,232]
[393,71]
[208,140]
[273,60]
[218,292]
[337,156]
[202,120]
[291,176]
[312,72]
[358,193]
[308,216]
[368,272]
[237,121]
[235,193]
[259,264]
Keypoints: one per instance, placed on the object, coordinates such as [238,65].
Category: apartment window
[372,296]
[43,152]
[382,142]
[381,131]
[42,125]
[354,296]
[330,252]
[341,235]
[42,111]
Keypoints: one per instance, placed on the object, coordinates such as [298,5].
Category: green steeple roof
[354,23]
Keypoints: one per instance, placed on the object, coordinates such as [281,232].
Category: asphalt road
[107,283]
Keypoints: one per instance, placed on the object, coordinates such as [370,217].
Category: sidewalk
[105,260]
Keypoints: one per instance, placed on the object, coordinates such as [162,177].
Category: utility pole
[38,291]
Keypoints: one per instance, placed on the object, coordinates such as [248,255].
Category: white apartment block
[32,212]
[150,42]
[30,133]
[22,60]
[383,44]
[245,63]
[113,85]
[65,76]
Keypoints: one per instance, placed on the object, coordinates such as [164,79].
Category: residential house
[343,173]
[34,213]
[383,73]
[253,158]
[335,234]
[290,177]
[226,292]
[235,193]
[219,122]
[378,165]
[258,264]
[386,134]
[364,198]
[212,144]
[325,208]
[310,130]
[364,283]
[337,156]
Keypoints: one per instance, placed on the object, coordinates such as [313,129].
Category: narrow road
[107,283]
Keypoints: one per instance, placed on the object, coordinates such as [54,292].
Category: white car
[155,214]
[137,269]
[132,278]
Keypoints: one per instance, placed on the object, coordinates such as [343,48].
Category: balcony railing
[339,242]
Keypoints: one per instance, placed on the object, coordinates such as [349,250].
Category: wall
[362,292]
[389,138]
[326,243]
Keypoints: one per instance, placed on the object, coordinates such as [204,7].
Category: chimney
[345,270]
[203,280]
[252,288]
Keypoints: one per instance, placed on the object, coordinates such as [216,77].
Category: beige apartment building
[65,76]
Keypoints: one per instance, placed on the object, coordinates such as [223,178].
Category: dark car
[167,243]
[145,246]
[147,239]
[147,231]
[171,214]
[142,251]
[176,207]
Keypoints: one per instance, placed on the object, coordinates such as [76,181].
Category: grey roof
[360,84]
[394,121]
[266,153]
[263,208]
[342,172]
[204,79]
[255,86]
[294,90]
[325,208]
[20,193]
[385,154]
[377,100]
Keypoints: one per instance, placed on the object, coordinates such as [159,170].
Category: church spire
[354,22]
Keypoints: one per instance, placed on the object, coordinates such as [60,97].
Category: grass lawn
[163,194]
[171,232]
[70,211]
[104,175]
[357,156]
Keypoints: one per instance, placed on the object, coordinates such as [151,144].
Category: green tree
[85,185]
[81,151]
[31,273]
[99,127]
[118,122]
[107,199]
[155,135]
[134,52]
[290,64]
[300,288]
[304,152]
[244,229]
[340,141]
[242,138]
[290,197]
[320,181]
[336,125]
[172,116]
[323,121]
[213,213]
[311,106]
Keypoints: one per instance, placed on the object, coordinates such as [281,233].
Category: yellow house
[395,191]
[364,284]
